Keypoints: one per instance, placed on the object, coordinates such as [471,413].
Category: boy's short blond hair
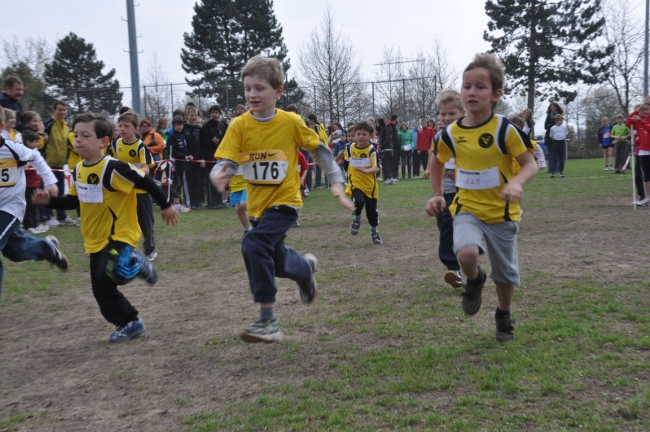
[9,113]
[620,116]
[352,128]
[268,68]
[130,117]
[450,96]
[518,120]
[495,68]
[191,110]
[558,117]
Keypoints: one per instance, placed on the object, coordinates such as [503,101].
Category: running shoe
[266,331]
[308,287]
[473,293]
[133,329]
[452,277]
[58,258]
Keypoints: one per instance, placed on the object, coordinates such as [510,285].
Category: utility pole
[133,54]
[645,51]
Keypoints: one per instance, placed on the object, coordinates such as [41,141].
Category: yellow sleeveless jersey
[365,157]
[266,152]
[135,153]
[107,202]
[483,155]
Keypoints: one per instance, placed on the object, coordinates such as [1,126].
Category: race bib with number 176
[265,167]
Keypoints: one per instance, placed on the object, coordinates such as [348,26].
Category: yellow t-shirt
[515,165]
[107,202]
[135,153]
[267,153]
[483,156]
[237,183]
[365,157]
[73,156]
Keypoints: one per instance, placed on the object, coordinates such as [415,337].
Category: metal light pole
[133,54]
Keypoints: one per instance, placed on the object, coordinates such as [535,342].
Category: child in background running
[450,109]
[486,206]
[362,180]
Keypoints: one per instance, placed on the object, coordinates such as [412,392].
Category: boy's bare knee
[467,254]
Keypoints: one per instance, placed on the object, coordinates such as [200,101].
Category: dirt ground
[59,372]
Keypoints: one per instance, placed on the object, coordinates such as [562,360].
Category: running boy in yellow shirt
[264,141]
[486,206]
[362,179]
[104,188]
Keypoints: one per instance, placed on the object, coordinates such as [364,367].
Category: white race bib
[451,164]
[477,180]
[267,167]
[360,162]
[9,172]
[89,193]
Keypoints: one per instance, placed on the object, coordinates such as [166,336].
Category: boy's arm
[513,190]
[66,202]
[323,157]
[436,205]
[42,168]
[221,173]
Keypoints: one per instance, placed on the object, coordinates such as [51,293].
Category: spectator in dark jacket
[10,99]
[385,151]
[212,133]
[553,109]
[397,146]
[196,176]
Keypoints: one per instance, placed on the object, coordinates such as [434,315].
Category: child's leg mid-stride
[360,201]
[118,264]
[267,257]
[18,246]
[446,245]
[501,240]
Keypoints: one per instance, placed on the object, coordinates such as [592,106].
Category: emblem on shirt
[93,179]
[461,139]
[485,140]
[132,153]
[363,155]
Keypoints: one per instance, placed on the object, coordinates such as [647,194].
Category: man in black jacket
[10,99]
[212,133]
[397,145]
[196,178]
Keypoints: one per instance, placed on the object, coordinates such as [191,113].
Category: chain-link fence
[410,98]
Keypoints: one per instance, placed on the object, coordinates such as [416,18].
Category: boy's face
[352,136]
[191,118]
[34,123]
[619,120]
[127,130]
[644,111]
[559,121]
[10,123]
[362,137]
[605,121]
[178,127]
[86,142]
[448,113]
[215,115]
[240,111]
[477,93]
[260,95]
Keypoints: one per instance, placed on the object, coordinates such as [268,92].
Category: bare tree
[156,96]
[391,83]
[329,68]
[35,52]
[625,32]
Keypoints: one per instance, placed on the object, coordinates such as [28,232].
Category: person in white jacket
[15,244]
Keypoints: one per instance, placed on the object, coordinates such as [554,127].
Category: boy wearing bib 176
[264,142]
[486,206]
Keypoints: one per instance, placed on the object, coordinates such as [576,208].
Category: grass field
[385,346]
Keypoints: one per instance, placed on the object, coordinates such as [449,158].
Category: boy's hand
[337,191]
[41,197]
[427,173]
[636,118]
[220,180]
[512,192]
[170,215]
[435,206]
[202,163]
[52,189]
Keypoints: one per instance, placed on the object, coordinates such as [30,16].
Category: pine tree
[76,76]
[547,45]
[226,34]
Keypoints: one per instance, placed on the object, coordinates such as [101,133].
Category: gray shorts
[501,241]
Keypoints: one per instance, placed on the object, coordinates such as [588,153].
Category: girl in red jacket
[640,121]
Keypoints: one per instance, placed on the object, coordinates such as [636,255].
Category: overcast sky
[369,25]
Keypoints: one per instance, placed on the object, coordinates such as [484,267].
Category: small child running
[486,206]
[104,188]
[362,179]
[264,141]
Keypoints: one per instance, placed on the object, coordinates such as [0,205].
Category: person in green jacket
[406,138]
